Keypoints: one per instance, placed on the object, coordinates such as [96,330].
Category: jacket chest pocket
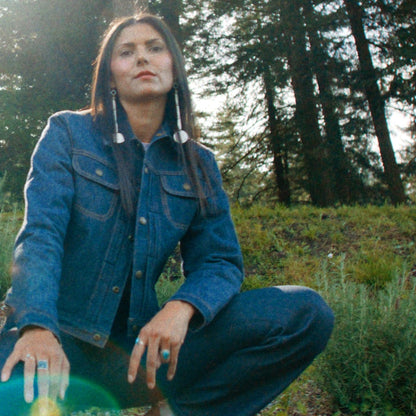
[179,199]
[96,186]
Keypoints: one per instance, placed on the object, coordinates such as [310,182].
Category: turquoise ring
[165,355]
[43,365]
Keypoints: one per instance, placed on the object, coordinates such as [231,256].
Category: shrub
[369,367]
[8,227]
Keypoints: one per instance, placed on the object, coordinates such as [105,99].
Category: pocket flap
[96,169]
[178,185]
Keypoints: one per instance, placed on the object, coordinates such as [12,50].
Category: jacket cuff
[32,319]
[203,314]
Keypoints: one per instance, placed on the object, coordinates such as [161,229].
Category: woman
[110,194]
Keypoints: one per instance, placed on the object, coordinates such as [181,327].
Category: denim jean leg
[250,353]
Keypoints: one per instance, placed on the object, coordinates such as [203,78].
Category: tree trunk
[306,110]
[344,179]
[276,141]
[171,10]
[123,8]
[376,103]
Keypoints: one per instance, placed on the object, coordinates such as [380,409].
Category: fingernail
[28,398]
[62,394]
[151,386]
[130,378]
[4,377]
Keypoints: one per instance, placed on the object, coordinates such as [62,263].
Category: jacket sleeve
[39,245]
[212,260]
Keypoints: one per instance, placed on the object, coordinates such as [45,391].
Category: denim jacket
[77,247]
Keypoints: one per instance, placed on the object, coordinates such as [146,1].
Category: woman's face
[141,64]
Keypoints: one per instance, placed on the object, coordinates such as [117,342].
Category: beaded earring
[180,136]
[117,136]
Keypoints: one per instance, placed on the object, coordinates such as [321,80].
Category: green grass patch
[9,223]
[362,260]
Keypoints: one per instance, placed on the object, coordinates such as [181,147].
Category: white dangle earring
[117,136]
[180,136]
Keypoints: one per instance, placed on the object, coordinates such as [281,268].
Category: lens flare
[44,406]
[81,395]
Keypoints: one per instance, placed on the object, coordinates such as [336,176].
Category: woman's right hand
[40,351]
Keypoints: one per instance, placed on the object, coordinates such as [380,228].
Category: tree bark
[376,103]
[344,180]
[277,145]
[123,8]
[171,10]
[316,163]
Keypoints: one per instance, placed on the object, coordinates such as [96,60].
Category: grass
[289,245]
[9,223]
[353,256]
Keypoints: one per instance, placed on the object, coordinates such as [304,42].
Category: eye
[156,48]
[125,53]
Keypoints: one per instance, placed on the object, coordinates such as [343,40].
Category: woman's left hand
[164,333]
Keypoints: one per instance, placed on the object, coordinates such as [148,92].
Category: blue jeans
[256,346]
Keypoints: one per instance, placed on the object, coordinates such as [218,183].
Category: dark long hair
[101,105]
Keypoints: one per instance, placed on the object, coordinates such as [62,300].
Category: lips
[145,74]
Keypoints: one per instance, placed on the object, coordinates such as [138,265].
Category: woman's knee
[311,311]
[294,309]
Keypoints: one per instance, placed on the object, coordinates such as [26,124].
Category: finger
[43,377]
[11,361]
[64,378]
[136,356]
[165,351]
[29,376]
[55,375]
[153,362]
[165,355]
[173,362]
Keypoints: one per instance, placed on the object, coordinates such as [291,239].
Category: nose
[142,58]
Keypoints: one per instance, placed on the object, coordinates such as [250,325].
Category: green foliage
[8,227]
[361,260]
[289,245]
[46,52]
[369,367]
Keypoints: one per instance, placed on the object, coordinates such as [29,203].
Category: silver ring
[43,365]
[165,355]
[139,341]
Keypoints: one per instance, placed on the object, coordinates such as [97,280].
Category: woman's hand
[165,332]
[40,351]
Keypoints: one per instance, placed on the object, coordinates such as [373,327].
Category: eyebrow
[147,43]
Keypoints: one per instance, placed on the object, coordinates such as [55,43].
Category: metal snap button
[138,274]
